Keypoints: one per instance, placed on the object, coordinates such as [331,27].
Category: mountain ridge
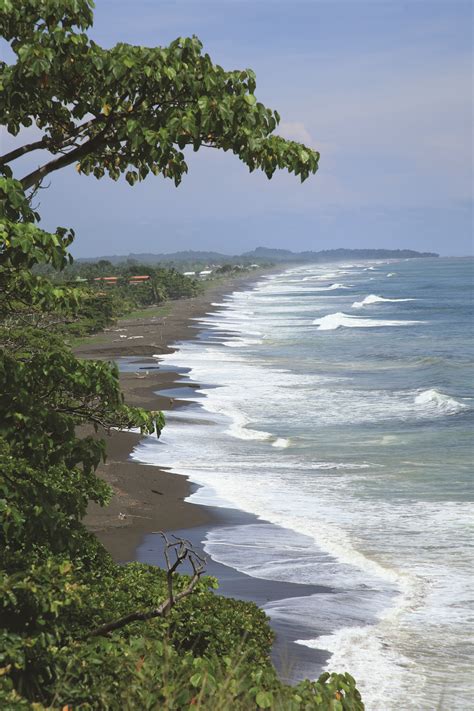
[268,254]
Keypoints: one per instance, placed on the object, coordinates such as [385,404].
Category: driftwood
[182,550]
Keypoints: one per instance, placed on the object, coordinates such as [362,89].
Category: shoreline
[386,649]
[294,662]
[149,498]
[146,498]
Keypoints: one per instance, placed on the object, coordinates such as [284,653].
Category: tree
[128,110]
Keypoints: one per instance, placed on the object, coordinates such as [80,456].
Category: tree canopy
[130,109]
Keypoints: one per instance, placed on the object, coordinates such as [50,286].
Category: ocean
[336,403]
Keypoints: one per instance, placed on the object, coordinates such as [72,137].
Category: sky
[382,89]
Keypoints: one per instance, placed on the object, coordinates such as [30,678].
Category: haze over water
[338,405]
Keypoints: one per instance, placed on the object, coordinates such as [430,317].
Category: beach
[321,417]
[148,498]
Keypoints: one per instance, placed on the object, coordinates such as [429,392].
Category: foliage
[47,471]
[129,110]
[102,303]
[151,674]
[155,666]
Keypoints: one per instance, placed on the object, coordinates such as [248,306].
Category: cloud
[395,125]
[295,131]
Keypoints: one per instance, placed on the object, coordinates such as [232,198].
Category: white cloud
[295,131]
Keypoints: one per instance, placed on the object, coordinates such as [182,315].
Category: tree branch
[32,178]
[48,143]
[18,152]
[183,550]
[88,415]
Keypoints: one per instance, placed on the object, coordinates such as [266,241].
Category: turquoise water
[339,406]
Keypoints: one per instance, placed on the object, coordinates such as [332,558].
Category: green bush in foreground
[152,675]
[211,653]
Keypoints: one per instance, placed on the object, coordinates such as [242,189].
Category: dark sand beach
[148,499]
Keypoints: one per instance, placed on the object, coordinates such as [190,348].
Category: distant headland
[264,254]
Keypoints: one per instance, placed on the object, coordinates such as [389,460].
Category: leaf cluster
[47,471]
[152,675]
[130,110]
[154,666]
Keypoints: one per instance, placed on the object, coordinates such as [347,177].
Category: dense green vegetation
[112,291]
[77,630]
[102,300]
[126,289]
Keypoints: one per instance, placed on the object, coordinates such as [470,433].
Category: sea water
[339,406]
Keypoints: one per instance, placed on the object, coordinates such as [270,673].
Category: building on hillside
[205,273]
[139,279]
[189,274]
[107,279]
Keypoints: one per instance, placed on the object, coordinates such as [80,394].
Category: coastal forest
[79,631]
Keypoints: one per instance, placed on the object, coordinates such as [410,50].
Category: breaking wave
[331,288]
[333,321]
[374,299]
[439,402]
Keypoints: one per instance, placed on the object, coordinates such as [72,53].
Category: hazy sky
[382,89]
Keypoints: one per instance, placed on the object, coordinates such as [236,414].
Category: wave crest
[340,319]
[332,287]
[281,443]
[374,299]
[439,402]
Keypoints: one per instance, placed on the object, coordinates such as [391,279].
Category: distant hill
[186,257]
[263,255]
[333,255]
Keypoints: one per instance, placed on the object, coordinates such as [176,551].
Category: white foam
[382,673]
[439,403]
[242,342]
[333,287]
[281,443]
[293,289]
[374,299]
[240,430]
[333,321]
